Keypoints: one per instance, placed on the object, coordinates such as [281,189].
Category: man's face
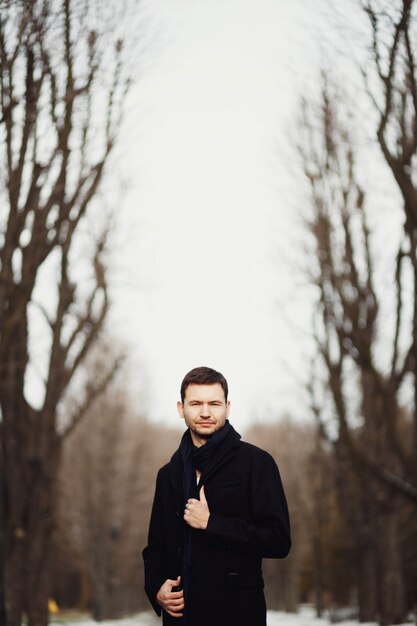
[205,411]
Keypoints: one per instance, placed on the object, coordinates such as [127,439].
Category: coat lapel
[175,469]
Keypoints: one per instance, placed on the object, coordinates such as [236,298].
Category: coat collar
[175,470]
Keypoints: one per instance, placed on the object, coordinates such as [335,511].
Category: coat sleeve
[267,532]
[154,555]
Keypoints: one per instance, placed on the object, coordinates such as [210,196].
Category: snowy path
[305,617]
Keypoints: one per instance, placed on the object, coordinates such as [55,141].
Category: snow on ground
[305,617]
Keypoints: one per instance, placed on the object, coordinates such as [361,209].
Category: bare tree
[391,80]
[393,29]
[62,86]
[377,436]
[364,395]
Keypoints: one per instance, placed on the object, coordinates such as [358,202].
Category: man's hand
[171,601]
[197,512]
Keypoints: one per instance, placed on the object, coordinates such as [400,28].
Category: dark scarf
[194,458]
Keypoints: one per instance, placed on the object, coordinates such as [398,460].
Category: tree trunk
[2,530]
[42,526]
[13,358]
[14,568]
[27,560]
[31,453]
[27,557]
[392,600]
[38,580]
[379,413]
[367,585]
[318,573]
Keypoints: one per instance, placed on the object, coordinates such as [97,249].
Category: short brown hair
[203,376]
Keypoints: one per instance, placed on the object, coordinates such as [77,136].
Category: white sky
[209,215]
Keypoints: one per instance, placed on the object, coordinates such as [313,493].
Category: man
[219,508]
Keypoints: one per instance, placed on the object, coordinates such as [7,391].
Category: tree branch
[94,390]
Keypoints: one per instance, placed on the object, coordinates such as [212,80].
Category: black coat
[248,520]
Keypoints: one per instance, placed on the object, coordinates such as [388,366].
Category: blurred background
[230,184]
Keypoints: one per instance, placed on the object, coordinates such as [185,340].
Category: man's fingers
[171,601]
[174,606]
[178,604]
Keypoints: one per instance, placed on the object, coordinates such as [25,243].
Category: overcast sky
[209,229]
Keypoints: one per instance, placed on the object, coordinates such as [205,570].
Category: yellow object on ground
[52,606]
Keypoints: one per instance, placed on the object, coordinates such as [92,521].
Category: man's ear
[180,408]
[227,408]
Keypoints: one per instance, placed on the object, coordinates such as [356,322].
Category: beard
[205,436]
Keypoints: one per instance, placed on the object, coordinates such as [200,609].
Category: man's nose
[205,410]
